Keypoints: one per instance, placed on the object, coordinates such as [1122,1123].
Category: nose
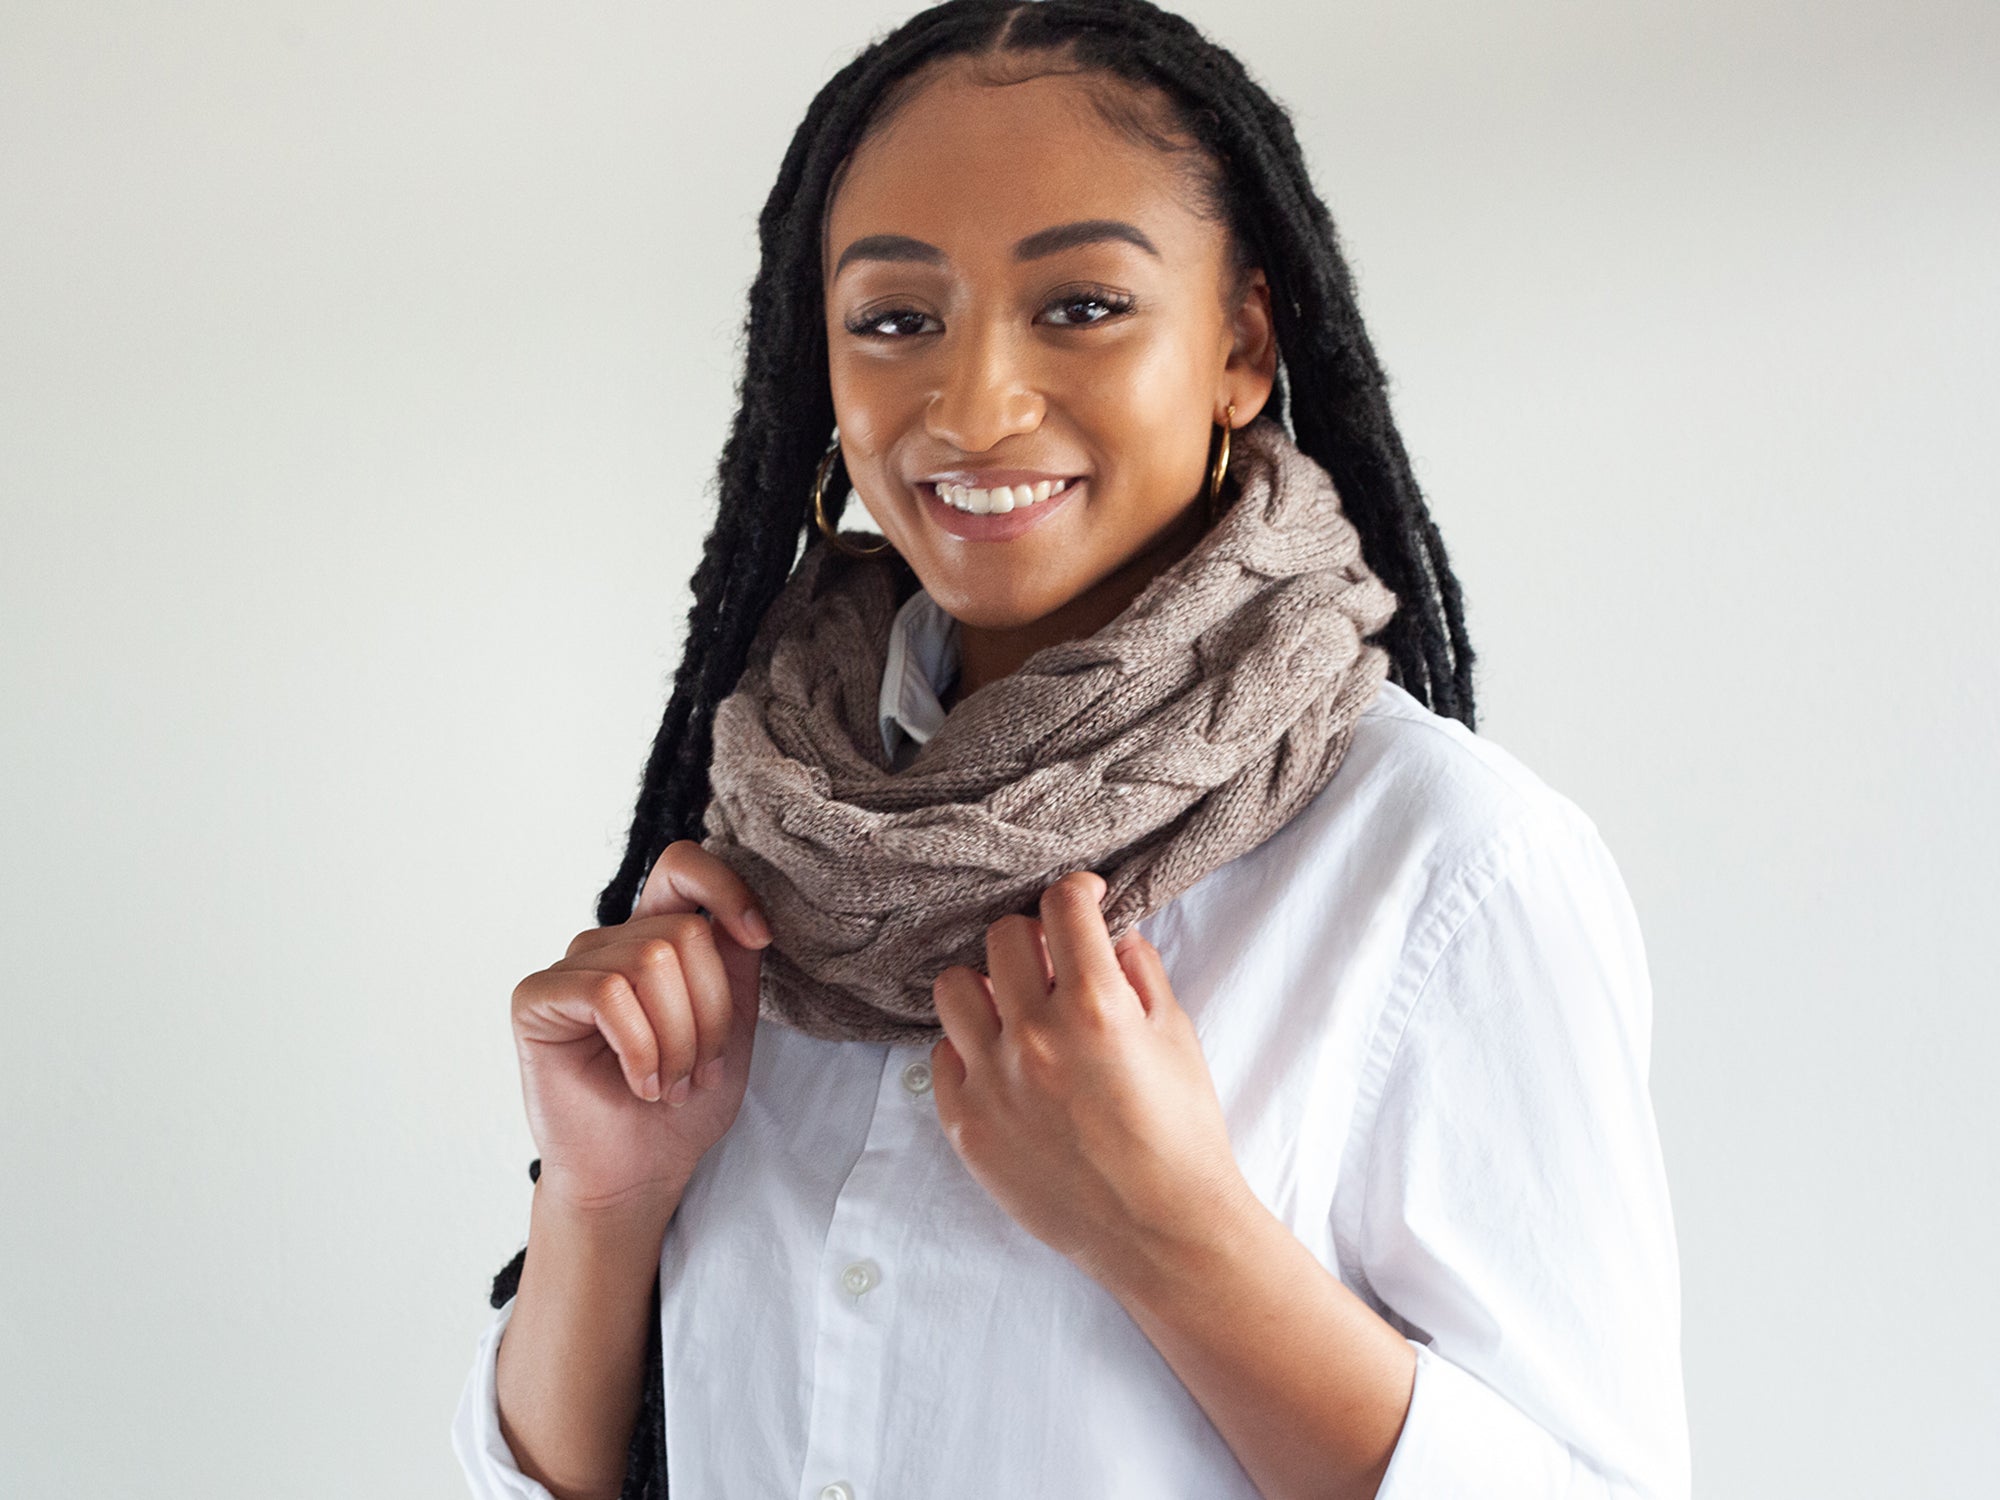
[986,393]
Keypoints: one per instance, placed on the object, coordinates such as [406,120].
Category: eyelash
[1115,304]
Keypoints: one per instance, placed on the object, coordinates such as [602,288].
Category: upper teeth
[1001,499]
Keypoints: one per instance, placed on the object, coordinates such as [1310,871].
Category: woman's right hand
[609,1035]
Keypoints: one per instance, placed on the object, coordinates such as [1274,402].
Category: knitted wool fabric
[1183,733]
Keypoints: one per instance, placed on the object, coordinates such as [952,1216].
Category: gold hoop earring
[819,511]
[1218,470]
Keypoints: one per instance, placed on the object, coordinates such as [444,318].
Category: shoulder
[1423,828]
[1418,795]
[1509,904]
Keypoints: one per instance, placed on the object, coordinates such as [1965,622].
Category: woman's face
[1020,294]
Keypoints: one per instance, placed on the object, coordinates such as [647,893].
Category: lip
[987,479]
[1003,528]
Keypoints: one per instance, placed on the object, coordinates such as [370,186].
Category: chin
[996,603]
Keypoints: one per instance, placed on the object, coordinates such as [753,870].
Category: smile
[1001,499]
[996,513]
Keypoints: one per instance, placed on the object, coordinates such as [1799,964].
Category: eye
[1079,309]
[891,323]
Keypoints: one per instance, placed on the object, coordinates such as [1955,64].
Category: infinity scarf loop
[1182,734]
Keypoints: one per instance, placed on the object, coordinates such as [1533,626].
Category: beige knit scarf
[1182,734]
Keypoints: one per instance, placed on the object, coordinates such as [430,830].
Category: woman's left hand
[1073,1086]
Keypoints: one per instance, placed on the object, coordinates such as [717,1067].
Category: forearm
[1304,1382]
[571,1364]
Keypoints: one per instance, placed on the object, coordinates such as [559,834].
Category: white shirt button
[860,1277]
[917,1077]
[838,1490]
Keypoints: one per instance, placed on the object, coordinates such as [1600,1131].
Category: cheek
[870,404]
[1151,405]
[1159,385]
[1156,375]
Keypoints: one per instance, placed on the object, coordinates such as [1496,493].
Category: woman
[1080,1012]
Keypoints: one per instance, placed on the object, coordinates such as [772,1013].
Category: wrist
[634,1220]
[1215,1229]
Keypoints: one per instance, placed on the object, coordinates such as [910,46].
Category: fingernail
[756,926]
[709,1073]
[651,1087]
[678,1094]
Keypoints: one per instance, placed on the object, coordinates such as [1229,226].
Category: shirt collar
[923,660]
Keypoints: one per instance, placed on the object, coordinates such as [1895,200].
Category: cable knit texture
[1183,733]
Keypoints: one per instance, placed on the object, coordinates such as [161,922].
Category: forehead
[965,158]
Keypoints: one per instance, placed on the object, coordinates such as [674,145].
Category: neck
[989,654]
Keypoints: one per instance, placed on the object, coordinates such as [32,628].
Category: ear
[1251,368]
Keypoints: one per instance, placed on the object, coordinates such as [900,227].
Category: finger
[745,967]
[710,994]
[686,877]
[654,968]
[964,1002]
[947,1064]
[566,1006]
[1073,926]
[1017,960]
[710,989]
[1144,970]
[948,1075]
[669,925]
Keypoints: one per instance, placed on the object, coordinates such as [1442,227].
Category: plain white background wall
[362,372]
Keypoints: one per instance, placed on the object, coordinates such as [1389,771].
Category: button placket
[856,1300]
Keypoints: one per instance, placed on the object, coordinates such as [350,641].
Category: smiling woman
[1081,1011]
[1025,294]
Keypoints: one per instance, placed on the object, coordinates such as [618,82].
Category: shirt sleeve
[1514,1218]
[475,1432]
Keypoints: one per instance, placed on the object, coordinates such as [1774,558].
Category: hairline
[1133,109]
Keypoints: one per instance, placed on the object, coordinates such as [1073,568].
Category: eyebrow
[888,247]
[900,247]
[1082,232]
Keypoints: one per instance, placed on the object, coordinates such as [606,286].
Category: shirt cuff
[475,1432]
[1462,1438]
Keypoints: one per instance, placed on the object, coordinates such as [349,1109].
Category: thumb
[1145,971]
[745,968]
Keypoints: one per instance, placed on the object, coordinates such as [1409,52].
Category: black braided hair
[1331,393]
[1338,406]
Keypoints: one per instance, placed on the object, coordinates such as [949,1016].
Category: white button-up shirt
[1425,1005]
